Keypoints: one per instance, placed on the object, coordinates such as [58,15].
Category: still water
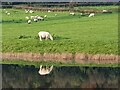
[16,76]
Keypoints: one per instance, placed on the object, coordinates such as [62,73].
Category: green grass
[112,7]
[57,64]
[72,34]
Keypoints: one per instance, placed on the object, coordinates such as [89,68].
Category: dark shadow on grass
[55,37]
[59,38]
[24,37]
[13,21]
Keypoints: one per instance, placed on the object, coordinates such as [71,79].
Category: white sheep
[45,35]
[72,14]
[32,17]
[31,11]
[8,13]
[29,21]
[35,20]
[92,15]
[40,18]
[26,11]
[81,14]
[49,11]
[27,17]
[45,70]
[55,14]
[104,11]
[45,16]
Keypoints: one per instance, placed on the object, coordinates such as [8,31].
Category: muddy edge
[63,57]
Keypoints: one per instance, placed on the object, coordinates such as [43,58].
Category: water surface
[16,76]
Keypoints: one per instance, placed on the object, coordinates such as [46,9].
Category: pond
[19,76]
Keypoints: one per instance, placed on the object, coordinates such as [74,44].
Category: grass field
[95,35]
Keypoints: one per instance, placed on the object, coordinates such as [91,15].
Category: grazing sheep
[35,20]
[49,11]
[26,11]
[104,11]
[40,18]
[32,17]
[55,14]
[31,11]
[29,21]
[27,17]
[92,15]
[81,14]
[45,71]
[8,13]
[72,14]
[45,35]
[45,16]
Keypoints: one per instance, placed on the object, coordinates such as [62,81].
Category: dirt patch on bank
[64,57]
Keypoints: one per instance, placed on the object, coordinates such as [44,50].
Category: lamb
[26,11]
[104,11]
[27,17]
[55,14]
[35,20]
[8,13]
[40,18]
[31,11]
[29,21]
[45,35]
[92,15]
[49,11]
[45,71]
[72,14]
[45,16]
[32,17]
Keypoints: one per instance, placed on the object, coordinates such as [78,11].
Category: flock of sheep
[35,18]
[43,34]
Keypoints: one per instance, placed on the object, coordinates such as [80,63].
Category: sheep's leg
[46,38]
[51,38]
[40,39]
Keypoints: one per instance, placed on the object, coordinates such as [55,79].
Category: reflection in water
[45,70]
[15,76]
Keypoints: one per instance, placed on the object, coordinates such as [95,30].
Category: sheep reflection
[45,70]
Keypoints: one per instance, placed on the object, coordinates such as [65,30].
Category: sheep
[72,14]
[49,11]
[29,21]
[45,35]
[31,11]
[45,16]
[27,17]
[104,11]
[92,15]
[40,18]
[26,11]
[45,71]
[81,14]
[8,13]
[55,14]
[32,17]
[35,20]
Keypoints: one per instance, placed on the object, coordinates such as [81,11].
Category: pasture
[73,34]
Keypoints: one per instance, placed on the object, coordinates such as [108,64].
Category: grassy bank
[95,35]
[37,64]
